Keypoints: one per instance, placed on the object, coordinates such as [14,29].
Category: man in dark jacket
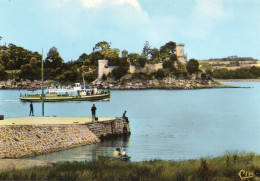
[93,110]
[31,110]
[124,116]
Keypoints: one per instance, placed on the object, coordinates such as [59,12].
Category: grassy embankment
[221,168]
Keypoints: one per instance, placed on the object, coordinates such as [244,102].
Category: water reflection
[87,152]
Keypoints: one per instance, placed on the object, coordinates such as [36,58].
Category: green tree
[31,70]
[83,59]
[34,63]
[173,57]
[134,57]
[10,65]
[155,56]
[169,48]
[101,46]
[94,57]
[160,74]
[3,74]
[146,50]
[124,54]
[192,66]
[121,70]
[255,71]
[105,51]
[53,59]
[27,72]
[142,61]
[92,75]
[68,76]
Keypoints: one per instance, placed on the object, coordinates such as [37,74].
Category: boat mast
[84,84]
[42,88]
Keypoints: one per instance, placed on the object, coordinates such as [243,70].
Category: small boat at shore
[75,93]
[123,158]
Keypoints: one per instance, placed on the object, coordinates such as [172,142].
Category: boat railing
[61,90]
[30,95]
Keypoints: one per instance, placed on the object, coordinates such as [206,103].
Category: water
[165,124]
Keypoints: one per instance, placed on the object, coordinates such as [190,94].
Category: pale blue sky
[208,28]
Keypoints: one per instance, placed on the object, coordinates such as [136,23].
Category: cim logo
[245,175]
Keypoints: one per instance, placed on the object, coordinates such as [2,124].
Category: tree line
[19,63]
[241,73]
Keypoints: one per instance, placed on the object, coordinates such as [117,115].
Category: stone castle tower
[103,68]
[180,53]
[102,64]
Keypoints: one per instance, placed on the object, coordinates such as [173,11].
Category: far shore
[237,80]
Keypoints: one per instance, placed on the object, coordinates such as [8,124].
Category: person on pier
[93,110]
[124,116]
[31,110]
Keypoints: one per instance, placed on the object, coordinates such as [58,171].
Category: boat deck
[49,120]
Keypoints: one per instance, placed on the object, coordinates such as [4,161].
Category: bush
[192,66]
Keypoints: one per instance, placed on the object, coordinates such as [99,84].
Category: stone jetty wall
[20,141]
[29,140]
[118,126]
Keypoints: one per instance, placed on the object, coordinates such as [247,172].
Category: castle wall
[29,140]
[103,68]
[148,68]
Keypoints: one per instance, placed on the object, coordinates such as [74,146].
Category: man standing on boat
[93,110]
[31,110]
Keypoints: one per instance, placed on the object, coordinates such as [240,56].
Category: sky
[208,28]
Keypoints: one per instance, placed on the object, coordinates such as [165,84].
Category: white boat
[75,93]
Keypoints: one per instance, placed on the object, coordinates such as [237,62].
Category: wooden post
[42,88]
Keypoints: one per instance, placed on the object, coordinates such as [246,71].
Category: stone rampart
[29,140]
[148,68]
[104,69]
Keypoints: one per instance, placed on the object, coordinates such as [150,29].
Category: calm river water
[165,124]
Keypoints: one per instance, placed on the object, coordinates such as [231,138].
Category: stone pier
[29,136]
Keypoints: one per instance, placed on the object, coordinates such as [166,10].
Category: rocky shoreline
[166,83]
[27,84]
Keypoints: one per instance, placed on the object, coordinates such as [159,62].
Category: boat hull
[65,98]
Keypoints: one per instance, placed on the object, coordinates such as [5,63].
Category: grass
[224,168]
